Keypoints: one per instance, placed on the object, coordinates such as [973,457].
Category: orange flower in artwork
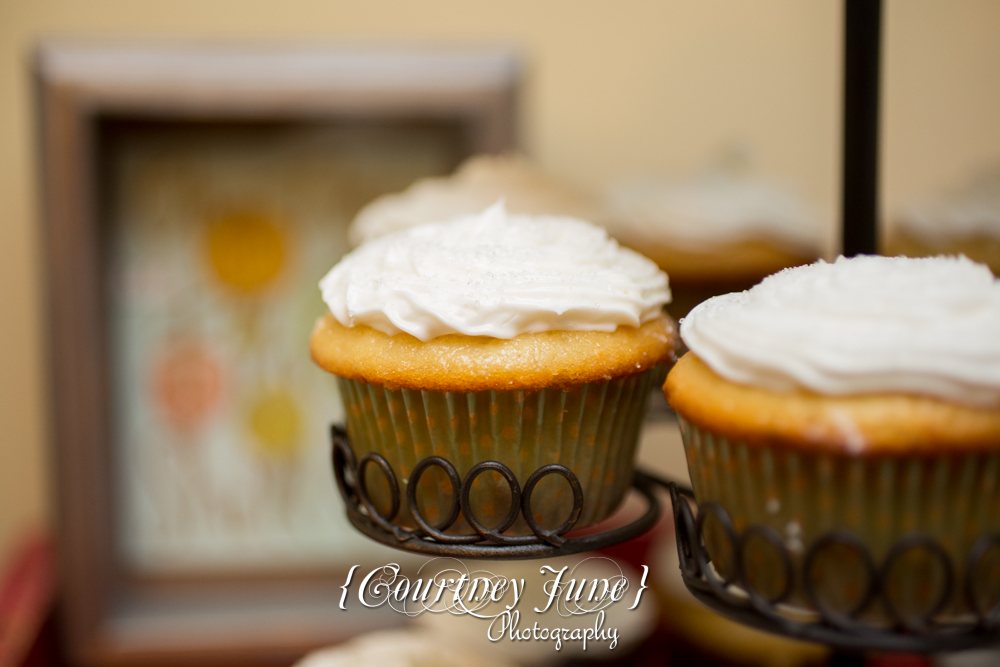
[246,250]
[187,386]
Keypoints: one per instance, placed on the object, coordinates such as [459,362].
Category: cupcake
[720,232]
[966,221]
[859,398]
[400,648]
[476,184]
[526,340]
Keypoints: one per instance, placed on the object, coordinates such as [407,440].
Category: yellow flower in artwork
[246,250]
[275,421]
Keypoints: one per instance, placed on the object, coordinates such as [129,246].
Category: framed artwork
[193,198]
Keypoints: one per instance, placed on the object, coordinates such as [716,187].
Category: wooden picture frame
[110,617]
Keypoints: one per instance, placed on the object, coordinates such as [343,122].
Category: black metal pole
[859,205]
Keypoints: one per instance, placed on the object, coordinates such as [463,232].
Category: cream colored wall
[941,114]
[613,88]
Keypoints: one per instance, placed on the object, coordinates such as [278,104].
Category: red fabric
[27,595]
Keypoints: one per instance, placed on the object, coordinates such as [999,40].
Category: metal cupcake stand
[729,591]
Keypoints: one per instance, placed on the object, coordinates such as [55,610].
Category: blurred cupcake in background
[477,184]
[400,648]
[718,232]
[965,221]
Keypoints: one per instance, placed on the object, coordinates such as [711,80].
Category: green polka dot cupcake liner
[592,429]
[888,507]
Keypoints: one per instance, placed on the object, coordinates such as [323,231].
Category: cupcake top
[495,274]
[477,183]
[866,325]
[400,648]
[719,208]
[973,210]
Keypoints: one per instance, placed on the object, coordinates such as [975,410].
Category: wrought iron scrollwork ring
[989,618]
[437,532]
[390,478]
[343,463]
[726,575]
[773,539]
[924,620]
[835,617]
[554,536]
[496,533]
[684,527]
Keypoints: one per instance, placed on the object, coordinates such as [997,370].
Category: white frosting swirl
[970,211]
[495,274]
[862,325]
[701,213]
[476,184]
